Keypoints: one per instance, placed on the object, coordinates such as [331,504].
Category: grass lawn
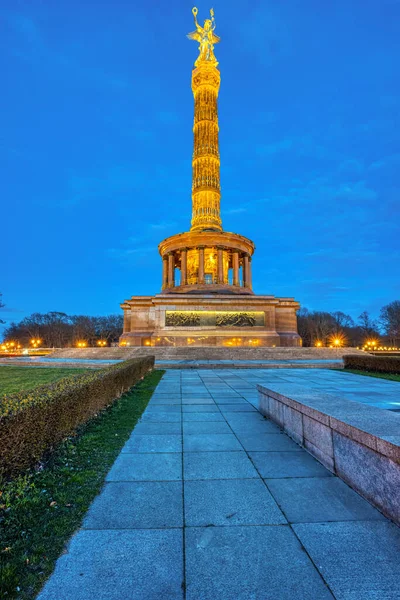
[13,379]
[390,376]
[40,510]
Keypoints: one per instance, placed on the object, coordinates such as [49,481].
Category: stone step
[205,353]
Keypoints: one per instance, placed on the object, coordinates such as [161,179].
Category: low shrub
[368,362]
[33,422]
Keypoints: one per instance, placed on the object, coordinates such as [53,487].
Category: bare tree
[84,328]
[109,328]
[342,320]
[390,320]
[368,326]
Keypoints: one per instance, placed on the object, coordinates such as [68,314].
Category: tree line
[319,327]
[59,330]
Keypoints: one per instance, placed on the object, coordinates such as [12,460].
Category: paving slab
[238,407]
[161,417]
[267,442]
[152,443]
[210,442]
[117,565]
[196,400]
[230,502]
[142,505]
[202,417]
[199,427]
[249,563]
[245,419]
[146,467]
[218,465]
[253,427]
[281,465]
[358,560]
[158,428]
[228,400]
[318,499]
[196,408]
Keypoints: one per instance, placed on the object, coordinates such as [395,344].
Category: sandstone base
[210,320]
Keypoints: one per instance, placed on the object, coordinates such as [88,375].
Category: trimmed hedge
[33,422]
[368,362]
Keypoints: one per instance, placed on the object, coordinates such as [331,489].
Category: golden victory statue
[206,36]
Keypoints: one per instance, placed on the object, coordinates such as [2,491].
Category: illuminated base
[210,320]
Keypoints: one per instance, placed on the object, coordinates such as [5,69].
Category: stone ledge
[359,443]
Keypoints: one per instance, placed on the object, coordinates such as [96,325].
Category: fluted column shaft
[164,272]
[201,264]
[206,194]
[184,266]
[250,276]
[235,265]
[220,265]
[246,270]
[171,270]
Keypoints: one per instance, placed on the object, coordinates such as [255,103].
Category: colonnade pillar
[250,277]
[164,272]
[220,265]
[171,270]
[246,271]
[235,265]
[184,266]
[201,264]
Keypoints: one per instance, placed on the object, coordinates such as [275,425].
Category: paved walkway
[208,500]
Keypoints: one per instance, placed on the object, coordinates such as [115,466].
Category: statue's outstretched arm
[212,19]
[194,11]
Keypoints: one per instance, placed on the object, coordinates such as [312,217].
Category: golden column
[206,194]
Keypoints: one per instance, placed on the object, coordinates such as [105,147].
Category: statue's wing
[215,38]
[194,35]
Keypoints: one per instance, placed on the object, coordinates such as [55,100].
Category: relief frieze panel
[208,318]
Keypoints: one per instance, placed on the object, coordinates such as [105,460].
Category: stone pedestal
[210,320]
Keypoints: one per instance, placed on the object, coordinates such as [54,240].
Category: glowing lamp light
[318,344]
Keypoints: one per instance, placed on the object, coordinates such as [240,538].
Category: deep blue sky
[96,141]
